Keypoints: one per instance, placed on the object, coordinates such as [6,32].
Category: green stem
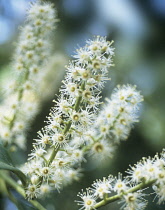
[20,190]
[117,197]
[78,101]
[56,148]
[77,104]
[53,154]
[105,196]
[20,96]
[67,127]
[44,159]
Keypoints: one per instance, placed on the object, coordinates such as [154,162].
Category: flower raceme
[148,172]
[30,56]
[118,115]
[113,123]
[73,113]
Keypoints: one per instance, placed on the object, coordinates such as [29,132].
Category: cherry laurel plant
[77,126]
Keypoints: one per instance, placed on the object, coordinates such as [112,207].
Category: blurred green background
[138,30]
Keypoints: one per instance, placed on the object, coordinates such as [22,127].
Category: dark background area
[138,30]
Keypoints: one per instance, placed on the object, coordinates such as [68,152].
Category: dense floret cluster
[54,153]
[114,122]
[23,91]
[129,190]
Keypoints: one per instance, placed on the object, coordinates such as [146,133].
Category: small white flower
[88,200]
[133,201]
[32,191]
[102,187]
[59,139]
[160,193]
[43,140]
[45,189]
[37,152]
[46,172]
[136,173]
[120,185]
[102,150]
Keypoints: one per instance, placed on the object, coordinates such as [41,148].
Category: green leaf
[21,203]
[24,205]
[6,164]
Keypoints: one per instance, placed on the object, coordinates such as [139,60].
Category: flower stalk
[114,198]
[128,190]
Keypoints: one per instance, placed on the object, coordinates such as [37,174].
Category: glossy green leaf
[6,164]
[21,203]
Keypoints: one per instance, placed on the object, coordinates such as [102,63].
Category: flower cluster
[119,114]
[113,123]
[23,91]
[148,172]
[53,157]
